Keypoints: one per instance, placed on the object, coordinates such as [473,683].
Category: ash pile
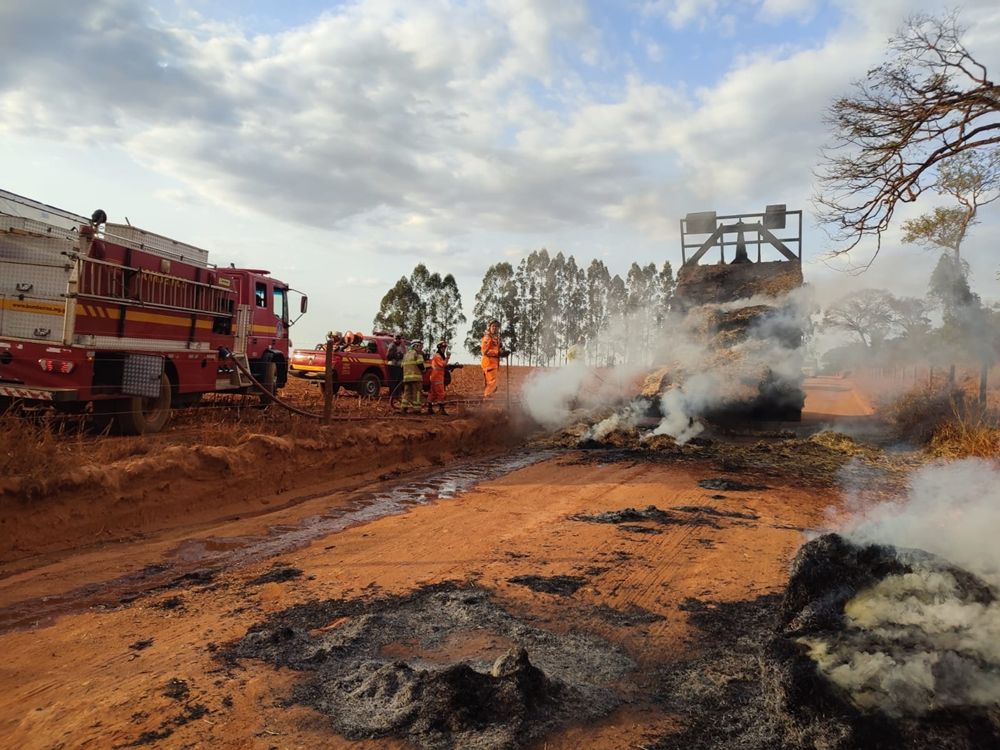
[444,667]
[884,647]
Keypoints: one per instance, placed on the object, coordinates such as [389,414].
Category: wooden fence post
[328,384]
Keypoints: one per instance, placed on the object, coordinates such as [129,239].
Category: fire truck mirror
[303,305]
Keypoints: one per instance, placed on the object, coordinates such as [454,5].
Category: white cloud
[460,132]
[775,10]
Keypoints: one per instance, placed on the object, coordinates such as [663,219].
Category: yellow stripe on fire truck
[97,311]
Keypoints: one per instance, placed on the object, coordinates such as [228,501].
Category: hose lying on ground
[226,354]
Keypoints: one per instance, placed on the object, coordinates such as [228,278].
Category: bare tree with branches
[929,102]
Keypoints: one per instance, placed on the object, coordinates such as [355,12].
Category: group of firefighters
[406,366]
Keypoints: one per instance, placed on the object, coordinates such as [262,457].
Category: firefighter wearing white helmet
[413,376]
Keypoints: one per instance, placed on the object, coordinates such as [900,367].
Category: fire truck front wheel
[138,415]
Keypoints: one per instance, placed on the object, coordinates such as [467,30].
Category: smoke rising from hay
[952,510]
[927,639]
[713,357]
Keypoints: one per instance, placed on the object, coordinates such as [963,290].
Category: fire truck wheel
[370,385]
[143,415]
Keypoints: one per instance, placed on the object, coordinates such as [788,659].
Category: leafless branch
[930,101]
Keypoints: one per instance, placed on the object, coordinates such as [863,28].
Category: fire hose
[265,391]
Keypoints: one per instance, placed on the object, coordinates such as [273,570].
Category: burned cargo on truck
[742,310]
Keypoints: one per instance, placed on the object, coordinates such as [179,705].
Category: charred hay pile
[414,667]
[870,647]
[735,353]
[825,459]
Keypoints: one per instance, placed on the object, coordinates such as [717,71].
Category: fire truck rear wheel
[370,385]
[140,415]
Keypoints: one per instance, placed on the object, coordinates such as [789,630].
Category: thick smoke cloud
[952,510]
[699,375]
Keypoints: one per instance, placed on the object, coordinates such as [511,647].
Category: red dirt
[81,680]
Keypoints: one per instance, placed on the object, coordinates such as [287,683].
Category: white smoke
[703,376]
[557,397]
[926,640]
[952,510]
[719,377]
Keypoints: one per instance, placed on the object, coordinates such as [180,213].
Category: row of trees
[424,306]
[545,305]
[548,303]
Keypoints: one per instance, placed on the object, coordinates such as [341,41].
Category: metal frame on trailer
[774,217]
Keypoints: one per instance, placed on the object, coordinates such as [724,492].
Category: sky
[338,144]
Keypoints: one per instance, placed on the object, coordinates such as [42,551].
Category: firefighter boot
[430,408]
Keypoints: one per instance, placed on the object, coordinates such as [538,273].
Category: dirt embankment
[172,480]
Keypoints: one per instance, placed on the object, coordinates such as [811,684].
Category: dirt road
[594,561]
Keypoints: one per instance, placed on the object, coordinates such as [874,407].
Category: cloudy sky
[339,144]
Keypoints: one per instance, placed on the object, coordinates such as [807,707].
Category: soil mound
[409,667]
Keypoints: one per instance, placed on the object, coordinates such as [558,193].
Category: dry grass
[945,421]
[976,432]
[917,415]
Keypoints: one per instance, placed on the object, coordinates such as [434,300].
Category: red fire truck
[126,320]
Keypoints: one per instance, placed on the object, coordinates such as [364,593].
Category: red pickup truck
[361,368]
[358,368]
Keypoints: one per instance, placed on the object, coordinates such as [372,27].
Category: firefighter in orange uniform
[492,353]
[439,366]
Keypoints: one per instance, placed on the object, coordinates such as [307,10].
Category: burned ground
[560,585]
[729,485]
[824,459]
[279,573]
[627,518]
[388,667]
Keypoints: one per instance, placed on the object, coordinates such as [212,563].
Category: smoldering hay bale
[705,284]
[880,646]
